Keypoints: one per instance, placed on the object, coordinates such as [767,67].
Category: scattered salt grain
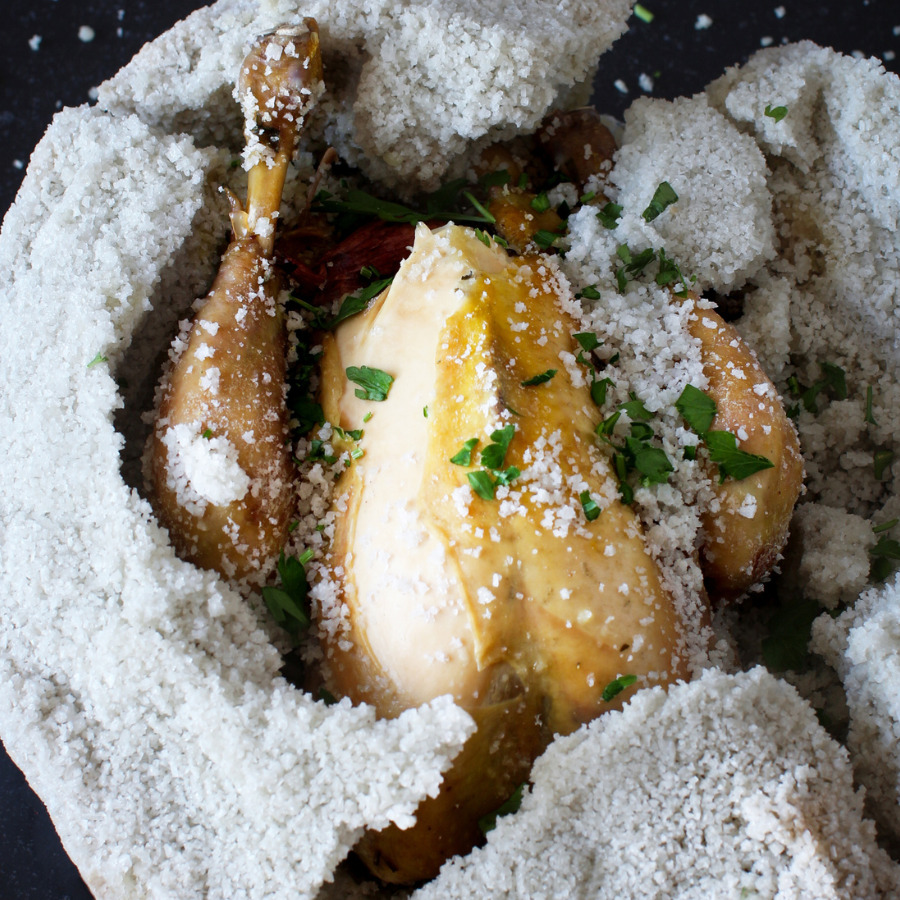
[86,34]
[703,22]
[35,41]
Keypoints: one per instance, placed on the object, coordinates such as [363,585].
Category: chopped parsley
[289,603]
[588,293]
[463,457]
[374,384]
[488,822]
[870,416]
[643,13]
[587,340]
[617,685]
[776,112]
[493,455]
[547,239]
[885,554]
[663,197]
[609,215]
[543,378]
[540,203]
[598,390]
[482,484]
[207,433]
[731,460]
[589,505]
[882,461]
[697,408]
[356,303]
[99,358]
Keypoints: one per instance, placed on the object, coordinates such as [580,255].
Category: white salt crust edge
[43,702]
[411,86]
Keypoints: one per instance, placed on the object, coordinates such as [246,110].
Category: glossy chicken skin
[747,527]
[518,606]
[219,455]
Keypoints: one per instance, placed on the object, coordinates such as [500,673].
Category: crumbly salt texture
[735,765]
[137,692]
[863,645]
[720,228]
[145,705]
[465,72]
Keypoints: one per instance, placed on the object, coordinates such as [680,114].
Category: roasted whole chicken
[483,546]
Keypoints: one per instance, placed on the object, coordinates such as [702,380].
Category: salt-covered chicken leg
[219,453]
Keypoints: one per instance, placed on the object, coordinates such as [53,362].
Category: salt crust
[410,85]
[138,693]
[735,767]
[180,690]
[863,645]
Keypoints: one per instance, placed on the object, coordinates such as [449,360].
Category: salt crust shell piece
[411,85]
[141,697]
[737,765]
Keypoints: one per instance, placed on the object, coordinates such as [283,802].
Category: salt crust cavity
[141,697]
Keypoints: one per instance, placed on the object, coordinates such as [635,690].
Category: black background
[679,57]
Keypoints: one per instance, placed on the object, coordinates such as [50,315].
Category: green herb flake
[652,462]
[870,417]
[589,506]
[483,236]
[617,685]
[598,390]
[885,558]
[507,476]
[367,416]
[543,378]
[425,411]
[776,112]
[609,215]
[697,408]
[99,358]
[540,203]
[374,384]
[482,484]
[289,603]
[588,293]
[731,460]
[488,822]
[663,197]
[493,455]
[207,433]
[884,526]
[635,410]
[882,462]
[690,452]
[357,453]
[486,216]
[587,340]
[357,303]
[545,239]
[463,457]
[643,13]
[327,697]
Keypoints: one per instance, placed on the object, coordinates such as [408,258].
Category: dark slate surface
[672,50]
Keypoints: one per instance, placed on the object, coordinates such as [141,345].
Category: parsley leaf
[885,558]
[635,410]
[663,197]
[609,215]
[482,483]
[598,390]
[374,384]
[289,604]
[356,303]
[540,203]
[488,822]
[776,112]
[697,408]
[587,340]
[617,685]
[507,476]
[99,358]
[492,456]
[543,378]
[464,456]
[882,461]
[724,452]
[589,505]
